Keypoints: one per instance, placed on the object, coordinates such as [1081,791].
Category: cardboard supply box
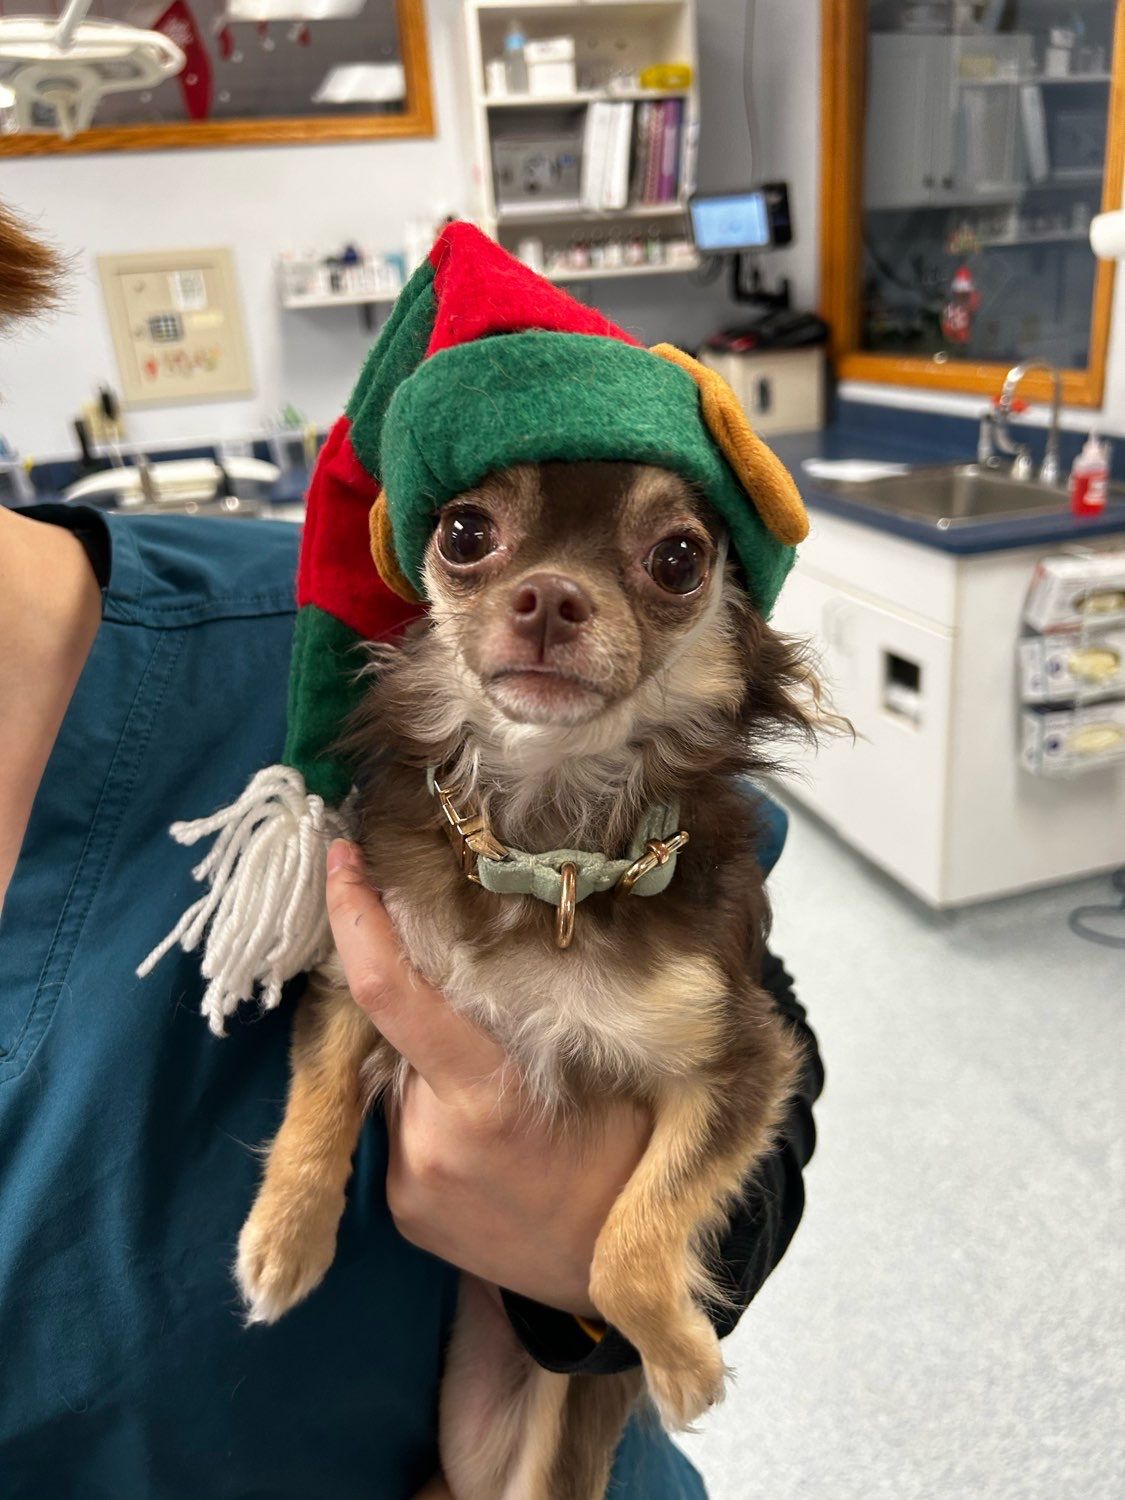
[1056,668]
[1057,742]
[1069,591]
[550,66]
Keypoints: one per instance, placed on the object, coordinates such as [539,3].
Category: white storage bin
[550,66]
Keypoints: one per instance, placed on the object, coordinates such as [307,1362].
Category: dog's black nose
[550,608]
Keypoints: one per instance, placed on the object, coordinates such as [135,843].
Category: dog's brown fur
[656,1000]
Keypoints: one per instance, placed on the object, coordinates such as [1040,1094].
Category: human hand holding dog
[473,1177]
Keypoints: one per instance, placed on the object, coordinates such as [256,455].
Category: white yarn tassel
[265,915]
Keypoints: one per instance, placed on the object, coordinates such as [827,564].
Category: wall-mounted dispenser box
[176,324]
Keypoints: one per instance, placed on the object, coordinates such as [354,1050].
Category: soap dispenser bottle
[1089,478]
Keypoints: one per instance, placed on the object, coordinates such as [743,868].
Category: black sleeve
[759,1232]
[87,524]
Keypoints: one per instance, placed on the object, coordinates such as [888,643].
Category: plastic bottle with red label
[1089,478]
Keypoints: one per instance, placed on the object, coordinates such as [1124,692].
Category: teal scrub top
[128,1133]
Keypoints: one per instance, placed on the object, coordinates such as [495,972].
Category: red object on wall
[178,24]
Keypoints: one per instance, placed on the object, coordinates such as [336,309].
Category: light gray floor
[947,1322]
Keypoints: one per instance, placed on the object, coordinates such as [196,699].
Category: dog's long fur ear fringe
[785,698]
[782,702]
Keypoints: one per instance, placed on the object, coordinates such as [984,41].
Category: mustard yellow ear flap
[757,468]
[383,552]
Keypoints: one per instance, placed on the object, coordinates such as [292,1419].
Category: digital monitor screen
[734,221]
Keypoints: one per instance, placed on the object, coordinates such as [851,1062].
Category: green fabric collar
[517,872]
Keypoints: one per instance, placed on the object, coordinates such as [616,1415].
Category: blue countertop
[895,445]
[893,436]
[859,430]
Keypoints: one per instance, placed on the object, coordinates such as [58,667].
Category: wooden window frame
[843,70]
[417,119]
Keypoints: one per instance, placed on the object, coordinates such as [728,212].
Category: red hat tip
[482,290]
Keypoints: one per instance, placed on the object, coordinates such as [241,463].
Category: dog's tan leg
[597,1408]
[513,1431]
[288,1242]
[500,1413]
[647,1270]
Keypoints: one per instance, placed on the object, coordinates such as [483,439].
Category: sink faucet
[144,475]
[1049,471]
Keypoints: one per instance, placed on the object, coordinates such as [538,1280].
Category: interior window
[984,152]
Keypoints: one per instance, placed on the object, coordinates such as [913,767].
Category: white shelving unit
[1038,237]
[1044,80]
[581,96]
[308,283]
[614,40]
[533,215]
[302,302]
[608,273]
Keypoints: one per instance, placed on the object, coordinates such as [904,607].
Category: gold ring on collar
[657,852]
[564,917]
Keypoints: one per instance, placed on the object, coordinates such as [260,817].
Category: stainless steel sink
[953,495]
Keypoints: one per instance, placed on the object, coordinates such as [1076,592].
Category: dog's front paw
[683,1391]
[282,1257]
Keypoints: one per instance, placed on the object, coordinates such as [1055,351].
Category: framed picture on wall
[256,72]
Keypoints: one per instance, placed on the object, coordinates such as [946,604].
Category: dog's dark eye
[465,537]
[678,564]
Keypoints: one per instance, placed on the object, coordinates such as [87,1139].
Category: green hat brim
[547,397]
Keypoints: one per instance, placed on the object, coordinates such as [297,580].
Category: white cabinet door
[982,154]
[891,676]
[910,126]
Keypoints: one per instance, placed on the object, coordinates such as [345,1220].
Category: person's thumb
[449,1052]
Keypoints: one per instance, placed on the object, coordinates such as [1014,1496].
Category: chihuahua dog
[589,654]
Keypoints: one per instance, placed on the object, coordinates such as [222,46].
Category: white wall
[260,201]
[785,75]
[265,200]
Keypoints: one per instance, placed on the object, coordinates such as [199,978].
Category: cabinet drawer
[919,581]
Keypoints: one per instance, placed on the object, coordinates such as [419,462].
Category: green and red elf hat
[482,364]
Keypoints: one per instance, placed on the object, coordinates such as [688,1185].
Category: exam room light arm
[69,22]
